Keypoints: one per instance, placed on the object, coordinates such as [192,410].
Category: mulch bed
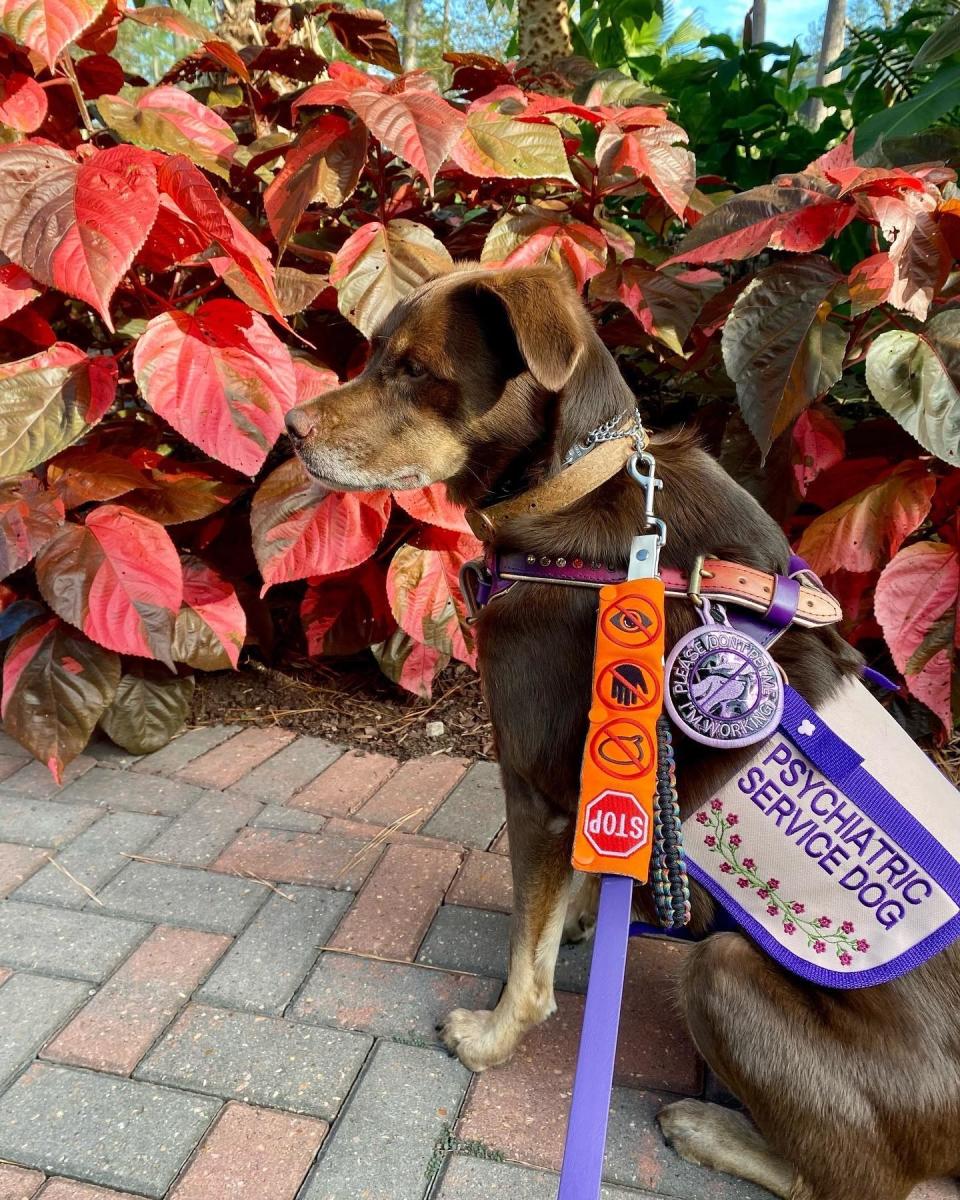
[353,704]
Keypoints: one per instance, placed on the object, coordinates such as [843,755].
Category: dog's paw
[578,927]
[701,1132]
[474,1037]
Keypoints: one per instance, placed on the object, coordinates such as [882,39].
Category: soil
[353,704]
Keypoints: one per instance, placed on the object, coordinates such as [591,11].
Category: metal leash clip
[645,547]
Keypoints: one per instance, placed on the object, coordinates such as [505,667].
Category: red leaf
[29,517]
[47,26]
[300,529]
[312,378]
[344,614]
[118,578]
[665,307]
[220,377]
[344,79]
[870,283]
[174,494]
[364,33]
[17,289]
[410,664]
[323,164]
[920,256]
[654,154]
[74,226]
[101,36]
[56,687]
[99,75]
[817,444]
[781,218]
[211,626]
[419,127]
[918,606]
[431,505]
[540,235]
[868,529]
[49,400]
[425,599]
[197,202]
[169,118]
[80,475]
[23,103]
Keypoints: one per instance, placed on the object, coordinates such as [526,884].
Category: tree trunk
[412,12]
[831,47]
[758,22]
[543,33]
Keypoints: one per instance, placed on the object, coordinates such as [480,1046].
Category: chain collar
[607,432]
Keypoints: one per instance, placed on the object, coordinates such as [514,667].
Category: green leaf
[149,708]
[916,378]
[168,118]
[496,146]
[937,98]
[939,45]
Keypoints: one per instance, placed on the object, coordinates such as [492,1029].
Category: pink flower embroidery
[710,840]
[845,958]
[743,883]
[701,818]
[749,863]
[773,884]
[863,946]
[726,868]
[819,947]
[716,805]
[847,927]
[772,910]
[789,927]
[798,907]
[824,922]
[735,839]
[732,818]
[763,893]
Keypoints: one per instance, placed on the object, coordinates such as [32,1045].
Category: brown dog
[484,380]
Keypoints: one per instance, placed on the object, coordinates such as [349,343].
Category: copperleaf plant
[181,264]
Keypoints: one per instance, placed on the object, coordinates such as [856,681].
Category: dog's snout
[299,424]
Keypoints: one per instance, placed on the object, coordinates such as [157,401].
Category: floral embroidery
[721,841]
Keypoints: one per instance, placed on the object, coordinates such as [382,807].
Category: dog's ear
[544,315]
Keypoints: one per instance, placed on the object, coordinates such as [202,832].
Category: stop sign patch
[615,824]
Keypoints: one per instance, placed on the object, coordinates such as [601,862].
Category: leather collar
[584,475]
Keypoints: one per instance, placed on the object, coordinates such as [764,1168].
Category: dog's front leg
[540,842]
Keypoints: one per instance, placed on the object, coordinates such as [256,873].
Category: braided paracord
[668,867]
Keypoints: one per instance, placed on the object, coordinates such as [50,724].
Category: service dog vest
[836,847]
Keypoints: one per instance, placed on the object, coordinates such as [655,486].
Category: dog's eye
[414,369]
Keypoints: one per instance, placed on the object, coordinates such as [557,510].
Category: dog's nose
[299,424]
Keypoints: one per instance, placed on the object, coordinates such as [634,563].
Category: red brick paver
[421,784]
[70,1189]
[252,1153]
[230,761]
[118,1026]
[345,785]
[16,1183]
[287,857]
[17,864]
[398,901]
[347,827]
[483,881]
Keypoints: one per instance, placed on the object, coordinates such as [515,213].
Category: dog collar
[586,466]
[794,598]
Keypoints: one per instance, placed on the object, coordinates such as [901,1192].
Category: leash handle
[582,1171]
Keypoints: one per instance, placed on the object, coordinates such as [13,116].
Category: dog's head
[468,360]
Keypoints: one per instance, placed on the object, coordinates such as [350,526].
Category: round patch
[723,688]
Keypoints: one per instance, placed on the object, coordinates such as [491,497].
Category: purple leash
[582,1170]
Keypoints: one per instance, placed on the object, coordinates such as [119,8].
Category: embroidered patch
[723,688]
[836,845]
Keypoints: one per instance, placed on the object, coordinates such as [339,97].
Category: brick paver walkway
[194,1001]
